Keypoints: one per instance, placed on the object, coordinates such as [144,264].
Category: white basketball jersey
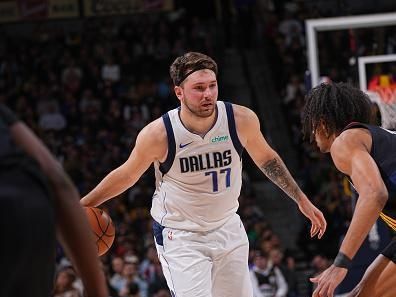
[198,185]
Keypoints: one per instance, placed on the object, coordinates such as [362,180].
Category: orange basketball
[103,228]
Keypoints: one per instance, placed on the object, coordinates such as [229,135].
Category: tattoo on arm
[277,172]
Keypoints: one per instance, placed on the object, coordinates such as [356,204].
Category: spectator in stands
[157,283]
[267,279]
[131,279]
[147,267]
[116,280]
[291,29]
[71,77]
[111,71]
[52,119]
[286,266]
[64,284]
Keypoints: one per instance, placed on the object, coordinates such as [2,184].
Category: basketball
[103,228]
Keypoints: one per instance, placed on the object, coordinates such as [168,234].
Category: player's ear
[323,128]
[178,92]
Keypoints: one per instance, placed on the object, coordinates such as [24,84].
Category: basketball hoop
[385,98]
[387,94]
[385,86]
[381,87]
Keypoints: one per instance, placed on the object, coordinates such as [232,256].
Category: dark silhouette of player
[38,204]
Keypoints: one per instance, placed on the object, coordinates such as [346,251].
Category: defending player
[336,115]
[37,201]
[196,150]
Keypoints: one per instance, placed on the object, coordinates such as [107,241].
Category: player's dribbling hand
[328,280]
[318,222]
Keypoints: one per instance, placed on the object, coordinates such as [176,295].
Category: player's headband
[181,79]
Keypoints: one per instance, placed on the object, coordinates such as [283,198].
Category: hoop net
[382,91]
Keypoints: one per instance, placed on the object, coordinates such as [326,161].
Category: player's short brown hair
[188,63]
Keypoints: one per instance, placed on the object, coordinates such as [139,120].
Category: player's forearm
[112,185]
[365,215]
[277,172]
[72,231]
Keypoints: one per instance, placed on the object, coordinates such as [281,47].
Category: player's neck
[197,125]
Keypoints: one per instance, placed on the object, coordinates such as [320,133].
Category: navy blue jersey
[383,151]
[27,220]
[12,158]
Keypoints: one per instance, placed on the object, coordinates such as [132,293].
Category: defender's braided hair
[337,105]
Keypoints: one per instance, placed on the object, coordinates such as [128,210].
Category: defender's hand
[328,280]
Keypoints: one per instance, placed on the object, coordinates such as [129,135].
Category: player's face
[323,140]
[199,92]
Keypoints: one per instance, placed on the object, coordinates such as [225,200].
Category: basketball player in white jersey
[196,150]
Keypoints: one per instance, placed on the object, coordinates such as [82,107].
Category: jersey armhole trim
[355,125]
[232,128]
[167,164]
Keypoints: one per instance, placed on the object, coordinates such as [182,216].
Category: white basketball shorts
[205,264]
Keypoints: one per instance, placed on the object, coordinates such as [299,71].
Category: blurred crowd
[284,35]
[89,89]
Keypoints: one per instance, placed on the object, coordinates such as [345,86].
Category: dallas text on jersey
[205,161]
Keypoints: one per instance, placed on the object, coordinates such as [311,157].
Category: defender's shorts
[205,264]
[27,222]
[390,250]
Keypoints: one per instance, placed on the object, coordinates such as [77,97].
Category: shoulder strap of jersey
[232,128]
[167,164]
[354,125]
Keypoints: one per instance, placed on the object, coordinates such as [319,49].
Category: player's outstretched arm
[350,155]
[71,223]
[269,162]
[151,145]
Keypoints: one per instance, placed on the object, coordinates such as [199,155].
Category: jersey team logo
[182,145]
[218,139]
